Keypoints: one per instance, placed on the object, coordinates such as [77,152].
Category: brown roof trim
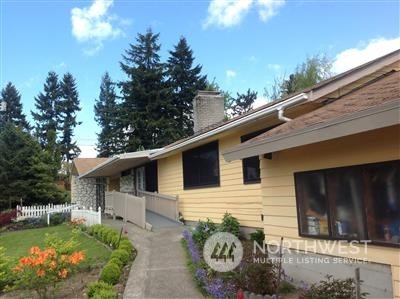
[381,116]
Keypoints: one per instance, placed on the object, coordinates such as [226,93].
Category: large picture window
[201,166]
[355,203]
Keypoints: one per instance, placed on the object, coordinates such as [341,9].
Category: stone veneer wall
[83,191]
[127,184]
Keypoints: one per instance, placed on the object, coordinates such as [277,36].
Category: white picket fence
[38,211]
[88,216]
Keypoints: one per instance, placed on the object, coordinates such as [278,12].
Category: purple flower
[194,253]
[201,275]
[217,289]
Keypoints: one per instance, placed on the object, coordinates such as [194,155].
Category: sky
[240,44]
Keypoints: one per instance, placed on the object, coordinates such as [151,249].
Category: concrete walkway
[159,270]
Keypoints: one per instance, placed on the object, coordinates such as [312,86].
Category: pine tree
[107,116]
[146,106]
[243,102]
[24,170]
[185,80]
[12,107]
[47,105]
[69,106]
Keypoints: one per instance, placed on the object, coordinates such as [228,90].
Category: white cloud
[252,59]
[274,66]
[94,24]
[88,151]
[228,13]
[371,50]
[230,74]
[269,8]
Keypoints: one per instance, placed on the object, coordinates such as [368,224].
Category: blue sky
[242,44]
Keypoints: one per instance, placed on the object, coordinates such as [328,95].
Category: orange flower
[34,250]
[63,273]
[40,272]
[63,257]
[52,264]
[76,257]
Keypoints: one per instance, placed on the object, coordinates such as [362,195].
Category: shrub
[5,271]
[110,273]
[202,231]
[286,287]
[331,288]
[230,225]
[121,254]
[258,278]
[100,289]
[258,236]
[116,261]
[6,216]
[58,218]
[126,245]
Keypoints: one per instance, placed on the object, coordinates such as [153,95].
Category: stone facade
[208,109]
[83,191]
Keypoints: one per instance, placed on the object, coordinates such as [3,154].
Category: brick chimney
[208,109]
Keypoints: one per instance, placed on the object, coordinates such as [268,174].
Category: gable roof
[327,90]
[374,105]
[83,165]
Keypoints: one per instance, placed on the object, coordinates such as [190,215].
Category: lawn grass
[18,243]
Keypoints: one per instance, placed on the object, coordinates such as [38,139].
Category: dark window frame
[188,182]
[363,169]
[251,160]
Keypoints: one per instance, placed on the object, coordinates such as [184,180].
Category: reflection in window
[201,166]
[384,200]
[356,203]
[310,187]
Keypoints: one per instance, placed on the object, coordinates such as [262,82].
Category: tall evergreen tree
[69,106]
[24,170]
[107,116]
[185,80]
[146,105]
[12,107]
[47,105]
[243,103]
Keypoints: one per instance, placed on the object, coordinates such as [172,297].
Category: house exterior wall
[233,196]
[83,191]
[279,202]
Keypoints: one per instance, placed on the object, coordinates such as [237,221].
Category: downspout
[281,109]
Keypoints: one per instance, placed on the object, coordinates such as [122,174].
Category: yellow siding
[243,201]
[278,191]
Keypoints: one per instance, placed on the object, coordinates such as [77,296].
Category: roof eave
[296,99]
[366,120]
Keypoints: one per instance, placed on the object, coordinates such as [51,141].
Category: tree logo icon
[223,252]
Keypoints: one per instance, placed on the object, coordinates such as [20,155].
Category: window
[355,203]
[251,165]
[201,166]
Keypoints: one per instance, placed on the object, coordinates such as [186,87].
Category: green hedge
[123,252]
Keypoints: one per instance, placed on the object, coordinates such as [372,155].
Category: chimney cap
[207,92]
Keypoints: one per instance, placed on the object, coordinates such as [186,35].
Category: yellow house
[262,166]
[331,184]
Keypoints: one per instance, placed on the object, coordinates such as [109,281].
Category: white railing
[130,208]
[164,205]
[38,211]
[89,216]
